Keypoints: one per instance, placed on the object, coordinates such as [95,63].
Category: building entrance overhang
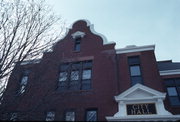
[141,103]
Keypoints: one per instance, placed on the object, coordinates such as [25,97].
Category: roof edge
[133,48]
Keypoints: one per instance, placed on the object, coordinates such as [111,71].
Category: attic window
[24,81]
[77,44]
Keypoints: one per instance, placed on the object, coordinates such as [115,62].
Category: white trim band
[169,72]
[129,49]
[145,118]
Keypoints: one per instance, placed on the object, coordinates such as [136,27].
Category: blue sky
[130,22]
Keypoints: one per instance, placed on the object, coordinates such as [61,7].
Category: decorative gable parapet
[91,27]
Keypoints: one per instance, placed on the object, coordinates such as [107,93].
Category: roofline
[35,61]
[129,49]
[91,26]
[164,61]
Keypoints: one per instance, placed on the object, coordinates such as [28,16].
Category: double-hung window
[24,81]
[77,45]
[86,75]
[135,70]
[173,90]
[63,76]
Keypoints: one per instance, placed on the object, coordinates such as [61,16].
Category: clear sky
[130,22]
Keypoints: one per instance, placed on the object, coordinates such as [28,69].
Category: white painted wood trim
[130,49]
[78,34]
[169,72]
[145,118]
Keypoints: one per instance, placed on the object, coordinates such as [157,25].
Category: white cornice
[170,72]
[78,34]
[134,48]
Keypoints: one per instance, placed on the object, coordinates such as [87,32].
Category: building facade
[84,78]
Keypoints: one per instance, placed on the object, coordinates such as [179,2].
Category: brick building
[84,78]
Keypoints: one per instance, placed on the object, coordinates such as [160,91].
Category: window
[91,115]
[75,76]
[13,117]
[77,45]
[135,70]
[50,116]
[70,116]
[23,82]
[86,74]
[63,76]
[173,90]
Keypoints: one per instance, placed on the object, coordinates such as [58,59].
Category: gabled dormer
[141,102]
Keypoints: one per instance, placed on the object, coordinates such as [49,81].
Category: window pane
[78,40]
[174,100]
[22,89]
[70,116]
[24,80]
[76,66]
[87,64]
[26,72]
[77,46]
[178,90]
[136,79]
[74,85]
[169,82]
[23,84]
[172,91]
[135,70]
[64,67]
[63,76]
[86,74]
[13,117]
[133,60]
[75,75]
[91,115]
[86,86]
[50,116]
[178,81]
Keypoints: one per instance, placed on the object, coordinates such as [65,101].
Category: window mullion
[80,77]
